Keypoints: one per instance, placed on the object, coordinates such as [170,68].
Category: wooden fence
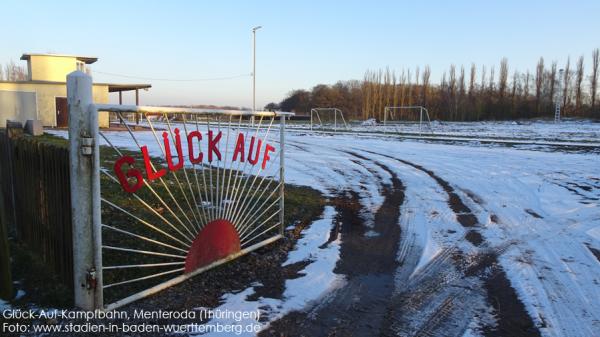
[37,201]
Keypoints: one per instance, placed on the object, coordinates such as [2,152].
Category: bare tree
[526,84]
[14,72]
[539,81]
[552,81]
[472,76]
[594,77]
[503,78]
[402,88]
[514,93]
[395,93]
[461,92]
[388,88]
[417,87]
[452,89]
[408,87]
[367,86]
[566,80]
[426,75]
[482,86]
[578,82]
[492,85]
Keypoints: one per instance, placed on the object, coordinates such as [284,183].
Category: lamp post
[254,70]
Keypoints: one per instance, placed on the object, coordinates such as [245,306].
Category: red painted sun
[217,240]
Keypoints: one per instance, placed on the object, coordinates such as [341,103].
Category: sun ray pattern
[182,192]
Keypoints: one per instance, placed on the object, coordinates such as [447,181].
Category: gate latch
[90,279]
[87,144]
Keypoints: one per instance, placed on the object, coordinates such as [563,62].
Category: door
[62,112]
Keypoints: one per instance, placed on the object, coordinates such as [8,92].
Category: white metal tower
[558,97]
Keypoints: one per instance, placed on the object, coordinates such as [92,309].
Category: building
[43,96]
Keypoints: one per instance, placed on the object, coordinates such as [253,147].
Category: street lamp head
[256,28]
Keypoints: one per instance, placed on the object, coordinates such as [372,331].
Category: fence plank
[37,201]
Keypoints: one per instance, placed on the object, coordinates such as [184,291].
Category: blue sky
[303,43]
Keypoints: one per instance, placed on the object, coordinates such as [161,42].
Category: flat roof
[127,87]
[84,59]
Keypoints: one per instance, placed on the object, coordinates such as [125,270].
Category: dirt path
[369,264]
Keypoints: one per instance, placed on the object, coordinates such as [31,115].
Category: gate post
[282,173]
[85,192]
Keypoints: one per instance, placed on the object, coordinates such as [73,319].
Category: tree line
[463,93]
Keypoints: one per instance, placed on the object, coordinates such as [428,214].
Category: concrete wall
[50,68]
[45,102]
[17,106]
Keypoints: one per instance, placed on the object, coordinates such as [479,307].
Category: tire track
[511,317]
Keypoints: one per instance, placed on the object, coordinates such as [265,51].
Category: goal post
[388,112]
[315,115]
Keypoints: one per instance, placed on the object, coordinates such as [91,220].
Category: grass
[42,287]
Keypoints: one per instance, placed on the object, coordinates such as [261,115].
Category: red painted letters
[150,173]
[190,137]
[239,148]
[212,145]
[168,151]
[254,160]
[194,138]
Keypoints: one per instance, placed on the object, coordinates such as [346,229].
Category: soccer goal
[406,114]
[329,115]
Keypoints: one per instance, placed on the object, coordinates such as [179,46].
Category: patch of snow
[371,233]
[4,305]
[20,294]
[369,122]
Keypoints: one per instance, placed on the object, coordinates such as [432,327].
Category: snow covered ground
[540,130]
[543,207]
[545,204]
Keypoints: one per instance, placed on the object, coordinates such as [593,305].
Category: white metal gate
[157,203]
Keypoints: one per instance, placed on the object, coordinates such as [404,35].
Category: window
[80,66]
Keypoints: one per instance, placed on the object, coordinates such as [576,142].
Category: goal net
[408,116]
[327,118]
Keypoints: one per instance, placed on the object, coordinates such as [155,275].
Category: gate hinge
[87,144]
[90,279]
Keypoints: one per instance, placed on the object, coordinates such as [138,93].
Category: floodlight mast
[254,70]
[558,97]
